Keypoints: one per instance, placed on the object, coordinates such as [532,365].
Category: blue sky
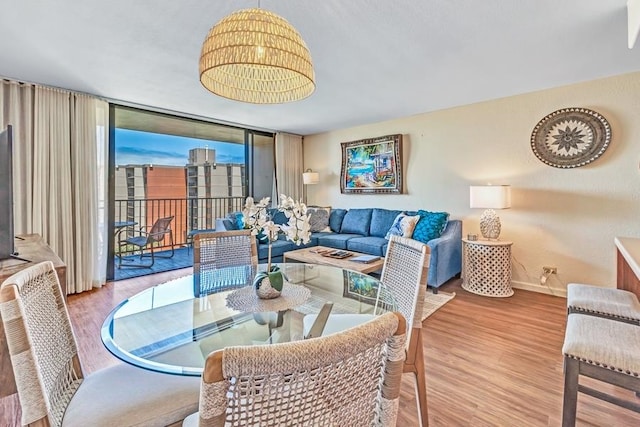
[136,147]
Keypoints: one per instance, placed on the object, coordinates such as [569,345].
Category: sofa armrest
[446,254]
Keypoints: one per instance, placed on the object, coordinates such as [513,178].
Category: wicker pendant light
[256,56]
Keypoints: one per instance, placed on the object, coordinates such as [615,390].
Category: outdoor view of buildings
[194,193]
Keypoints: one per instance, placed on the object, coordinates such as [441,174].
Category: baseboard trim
[536,287]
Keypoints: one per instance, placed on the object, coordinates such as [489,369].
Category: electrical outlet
[550,270]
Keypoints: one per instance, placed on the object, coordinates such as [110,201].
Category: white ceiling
[374,59]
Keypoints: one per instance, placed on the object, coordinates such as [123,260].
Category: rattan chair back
[41,343]
[348,378]
[223,260]
[405,273]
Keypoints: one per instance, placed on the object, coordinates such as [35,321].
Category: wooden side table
[487,267]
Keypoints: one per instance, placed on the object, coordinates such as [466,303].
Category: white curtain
[60,149]
[289,164]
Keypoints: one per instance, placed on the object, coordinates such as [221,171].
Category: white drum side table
[487,267]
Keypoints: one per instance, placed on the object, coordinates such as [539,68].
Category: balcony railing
[189,214]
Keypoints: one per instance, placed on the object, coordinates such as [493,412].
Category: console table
[32,248]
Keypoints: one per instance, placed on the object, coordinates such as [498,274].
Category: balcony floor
[183,257]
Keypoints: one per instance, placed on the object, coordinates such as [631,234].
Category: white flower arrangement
[297,229]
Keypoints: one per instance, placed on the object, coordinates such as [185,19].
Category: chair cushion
[603,342]
[610,302]
[124,395]
[336,322]
[430,226]
[381,221]
[357,221]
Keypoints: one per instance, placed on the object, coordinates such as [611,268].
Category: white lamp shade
[490,196]
[310,178]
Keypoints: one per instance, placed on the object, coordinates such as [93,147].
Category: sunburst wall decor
[571,137]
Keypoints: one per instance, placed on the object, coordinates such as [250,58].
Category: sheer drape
[59,174]
[289,164]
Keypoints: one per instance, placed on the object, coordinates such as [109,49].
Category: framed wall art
[372,165]
[360,287]
[571,137]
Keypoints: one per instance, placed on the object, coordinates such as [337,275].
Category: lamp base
[490,225]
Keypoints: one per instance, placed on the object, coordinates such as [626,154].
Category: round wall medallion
[570,138]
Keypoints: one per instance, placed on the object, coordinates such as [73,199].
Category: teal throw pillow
[430,226]
[238,220]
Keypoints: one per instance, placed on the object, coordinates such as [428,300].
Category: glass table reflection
[172,327]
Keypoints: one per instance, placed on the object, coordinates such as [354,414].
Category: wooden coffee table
[310,256]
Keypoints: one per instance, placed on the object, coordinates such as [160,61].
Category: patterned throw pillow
[430,226]
[403,226]
[319,220]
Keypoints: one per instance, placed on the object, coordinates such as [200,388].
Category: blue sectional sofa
[364,230]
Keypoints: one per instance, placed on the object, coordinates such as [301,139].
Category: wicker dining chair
[351,378]
[223,260]
[52,388]
[405,271]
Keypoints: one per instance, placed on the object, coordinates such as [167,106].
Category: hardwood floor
[489,361]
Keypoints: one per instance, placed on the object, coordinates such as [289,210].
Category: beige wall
[565,218]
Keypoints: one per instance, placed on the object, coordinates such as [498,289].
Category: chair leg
[415,364]
[570,399]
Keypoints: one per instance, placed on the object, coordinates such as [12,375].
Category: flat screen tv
[6,194]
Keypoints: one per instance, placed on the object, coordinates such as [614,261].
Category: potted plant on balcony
[268,284]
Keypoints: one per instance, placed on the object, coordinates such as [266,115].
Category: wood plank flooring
[489,361]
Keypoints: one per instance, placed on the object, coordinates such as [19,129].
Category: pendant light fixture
[256,56]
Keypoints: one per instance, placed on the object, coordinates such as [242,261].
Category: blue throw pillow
[430,226]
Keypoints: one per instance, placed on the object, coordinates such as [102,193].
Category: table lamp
[490,197]
[309,177]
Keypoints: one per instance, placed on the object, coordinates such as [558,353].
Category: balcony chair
[52,388]
[350,378]
[405,272]
[146,240]
[223,260]
[605,349]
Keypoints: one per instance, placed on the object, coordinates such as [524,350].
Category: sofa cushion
[381,221]
[278,247]
[278,217]
[335,219]
[430,226]
[403,226]
[319,218]
[357,221]
[369,245]
[338,241]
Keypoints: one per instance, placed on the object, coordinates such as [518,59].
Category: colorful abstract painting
[372,165]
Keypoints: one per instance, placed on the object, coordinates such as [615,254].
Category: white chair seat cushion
[607,301]
[603,342]
[124,395]
[336,322]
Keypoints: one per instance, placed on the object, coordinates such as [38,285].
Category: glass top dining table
[173,326]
